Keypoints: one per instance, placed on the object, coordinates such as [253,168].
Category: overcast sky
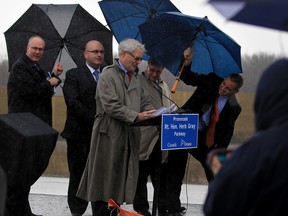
[252,39]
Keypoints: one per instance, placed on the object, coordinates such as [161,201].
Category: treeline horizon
[252,66]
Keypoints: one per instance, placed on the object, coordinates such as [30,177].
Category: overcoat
[150,134]
[112,166]
[29,91]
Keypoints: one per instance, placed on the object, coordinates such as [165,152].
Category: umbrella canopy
[66,27]
[168,35]
[265,13]
[124,16]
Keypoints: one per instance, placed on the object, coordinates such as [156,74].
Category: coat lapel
[89,76]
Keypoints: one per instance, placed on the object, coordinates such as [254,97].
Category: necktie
[96,75]
[129,73]
[157,85]
[214,117]
[37,66]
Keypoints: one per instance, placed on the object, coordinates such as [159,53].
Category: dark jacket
[79,93]
[29,90]
[202,99]
[254,180]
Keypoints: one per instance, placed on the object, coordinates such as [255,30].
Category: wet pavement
[48,198]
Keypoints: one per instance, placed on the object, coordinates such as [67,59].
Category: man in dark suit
[79,92]
[209,87]
[30,89]
[253,181]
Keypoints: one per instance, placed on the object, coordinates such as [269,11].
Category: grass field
[58,164]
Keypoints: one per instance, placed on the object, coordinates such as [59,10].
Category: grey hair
[130,45]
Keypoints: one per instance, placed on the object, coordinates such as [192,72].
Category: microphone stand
[158,172]
[157,88]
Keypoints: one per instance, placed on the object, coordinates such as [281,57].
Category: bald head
[35,48]
[94,54]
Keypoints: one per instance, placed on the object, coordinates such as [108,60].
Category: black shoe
[175,214]
[162,213]
[144,212]
[183,210]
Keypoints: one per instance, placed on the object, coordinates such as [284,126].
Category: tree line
[252,66]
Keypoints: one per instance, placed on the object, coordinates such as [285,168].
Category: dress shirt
[204,121]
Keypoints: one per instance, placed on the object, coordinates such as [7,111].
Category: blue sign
[179,131]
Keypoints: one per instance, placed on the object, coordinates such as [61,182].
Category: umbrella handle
[174,87]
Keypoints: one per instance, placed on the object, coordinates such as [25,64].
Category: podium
[155,121]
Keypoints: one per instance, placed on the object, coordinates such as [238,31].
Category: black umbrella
[67,27]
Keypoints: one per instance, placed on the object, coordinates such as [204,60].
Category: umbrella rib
[67,40]
[128,15]
[204,42]
[148,10]
[33,32]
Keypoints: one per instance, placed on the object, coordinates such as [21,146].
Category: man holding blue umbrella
[215,97]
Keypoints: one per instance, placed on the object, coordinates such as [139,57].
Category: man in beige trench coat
[150,143]
[112,166]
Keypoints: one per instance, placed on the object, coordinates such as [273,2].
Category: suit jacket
[79,92]
[254,180]
[29,90]
[202,99]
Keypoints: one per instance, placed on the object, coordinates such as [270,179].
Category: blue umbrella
[168,35]
[265,13]
[124,16]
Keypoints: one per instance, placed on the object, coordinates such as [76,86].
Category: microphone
[160,91]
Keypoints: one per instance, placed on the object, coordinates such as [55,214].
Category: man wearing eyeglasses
[79,93]
[215,97]
[112,166]
[30,89]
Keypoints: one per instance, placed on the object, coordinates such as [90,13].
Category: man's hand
[187,56]
[54,81]
[58,69]
[145,115]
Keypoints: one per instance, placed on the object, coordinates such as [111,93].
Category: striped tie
[96,75]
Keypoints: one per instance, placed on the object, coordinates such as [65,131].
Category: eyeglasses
[157,69]
[96,51]
[37,49]
[137,59]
